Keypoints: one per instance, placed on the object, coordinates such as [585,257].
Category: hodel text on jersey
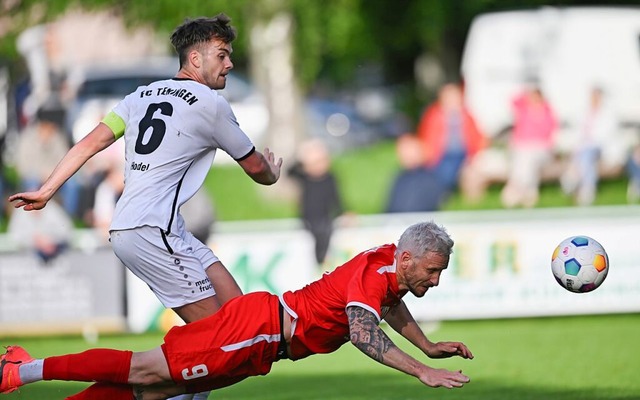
[139,166]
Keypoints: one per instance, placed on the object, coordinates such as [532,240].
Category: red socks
[104,391]
[96,365]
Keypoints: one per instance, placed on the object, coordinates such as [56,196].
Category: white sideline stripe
[251,342]
[365,306]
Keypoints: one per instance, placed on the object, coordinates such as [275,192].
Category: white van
[567,51]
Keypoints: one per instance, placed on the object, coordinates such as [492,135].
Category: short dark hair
[201,30]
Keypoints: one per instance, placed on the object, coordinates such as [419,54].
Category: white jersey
[173,128]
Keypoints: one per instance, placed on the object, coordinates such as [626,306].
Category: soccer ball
[579,264]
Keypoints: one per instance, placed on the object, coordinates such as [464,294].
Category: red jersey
[320,322]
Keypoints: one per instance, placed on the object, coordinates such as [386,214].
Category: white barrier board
[500,266]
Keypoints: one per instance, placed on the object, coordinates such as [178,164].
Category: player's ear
[405,259]
[195,58]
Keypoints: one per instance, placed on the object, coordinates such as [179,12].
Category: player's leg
[226,288]
[18,368]
[224,285]
[198,310]
[174,268]
[223,282]
[149,368]
[194,351]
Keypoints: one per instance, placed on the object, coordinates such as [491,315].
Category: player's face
[216,63]
[421,273]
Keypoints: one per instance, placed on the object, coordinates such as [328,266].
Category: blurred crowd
[446,153]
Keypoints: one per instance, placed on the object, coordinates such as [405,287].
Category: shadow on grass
[359,387]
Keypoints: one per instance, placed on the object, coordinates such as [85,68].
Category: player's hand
[449,349]
[443,378]
[276,166]
[29,200]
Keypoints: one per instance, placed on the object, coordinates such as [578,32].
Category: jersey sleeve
[122,109]
[368,290]
[228,134]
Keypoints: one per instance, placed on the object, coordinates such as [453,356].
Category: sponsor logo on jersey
[204,285]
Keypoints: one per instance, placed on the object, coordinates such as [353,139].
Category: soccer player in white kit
[172,129]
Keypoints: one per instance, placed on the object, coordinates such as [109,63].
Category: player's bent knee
[149,368]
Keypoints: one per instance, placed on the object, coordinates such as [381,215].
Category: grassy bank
[365,177]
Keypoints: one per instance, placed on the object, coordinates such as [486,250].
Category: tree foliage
[335,40]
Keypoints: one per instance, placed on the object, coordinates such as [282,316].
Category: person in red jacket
[449,135]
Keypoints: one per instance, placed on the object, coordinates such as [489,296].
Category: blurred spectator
[4,182]
[41,145]
[530,148]
[99,176]
[45,81]
[31,44]
[633,171]
[597,126]
[106,195]
[199,215]
[449,136]
[415,188]
[47,232]
[320,201]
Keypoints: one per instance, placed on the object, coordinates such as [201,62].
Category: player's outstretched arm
[98,139]
[263,168]
[367,336]
[401,320]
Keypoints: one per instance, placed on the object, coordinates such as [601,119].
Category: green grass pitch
[568,358]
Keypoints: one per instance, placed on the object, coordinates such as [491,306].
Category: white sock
[31,372]
[201,396]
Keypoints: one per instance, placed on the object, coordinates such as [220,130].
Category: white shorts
[172,266]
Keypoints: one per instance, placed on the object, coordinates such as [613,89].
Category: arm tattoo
[366,335]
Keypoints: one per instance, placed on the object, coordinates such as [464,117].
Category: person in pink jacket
[530,148]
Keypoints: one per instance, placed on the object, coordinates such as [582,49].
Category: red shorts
[239,341]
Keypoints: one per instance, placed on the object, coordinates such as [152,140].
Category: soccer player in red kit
[251,332]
